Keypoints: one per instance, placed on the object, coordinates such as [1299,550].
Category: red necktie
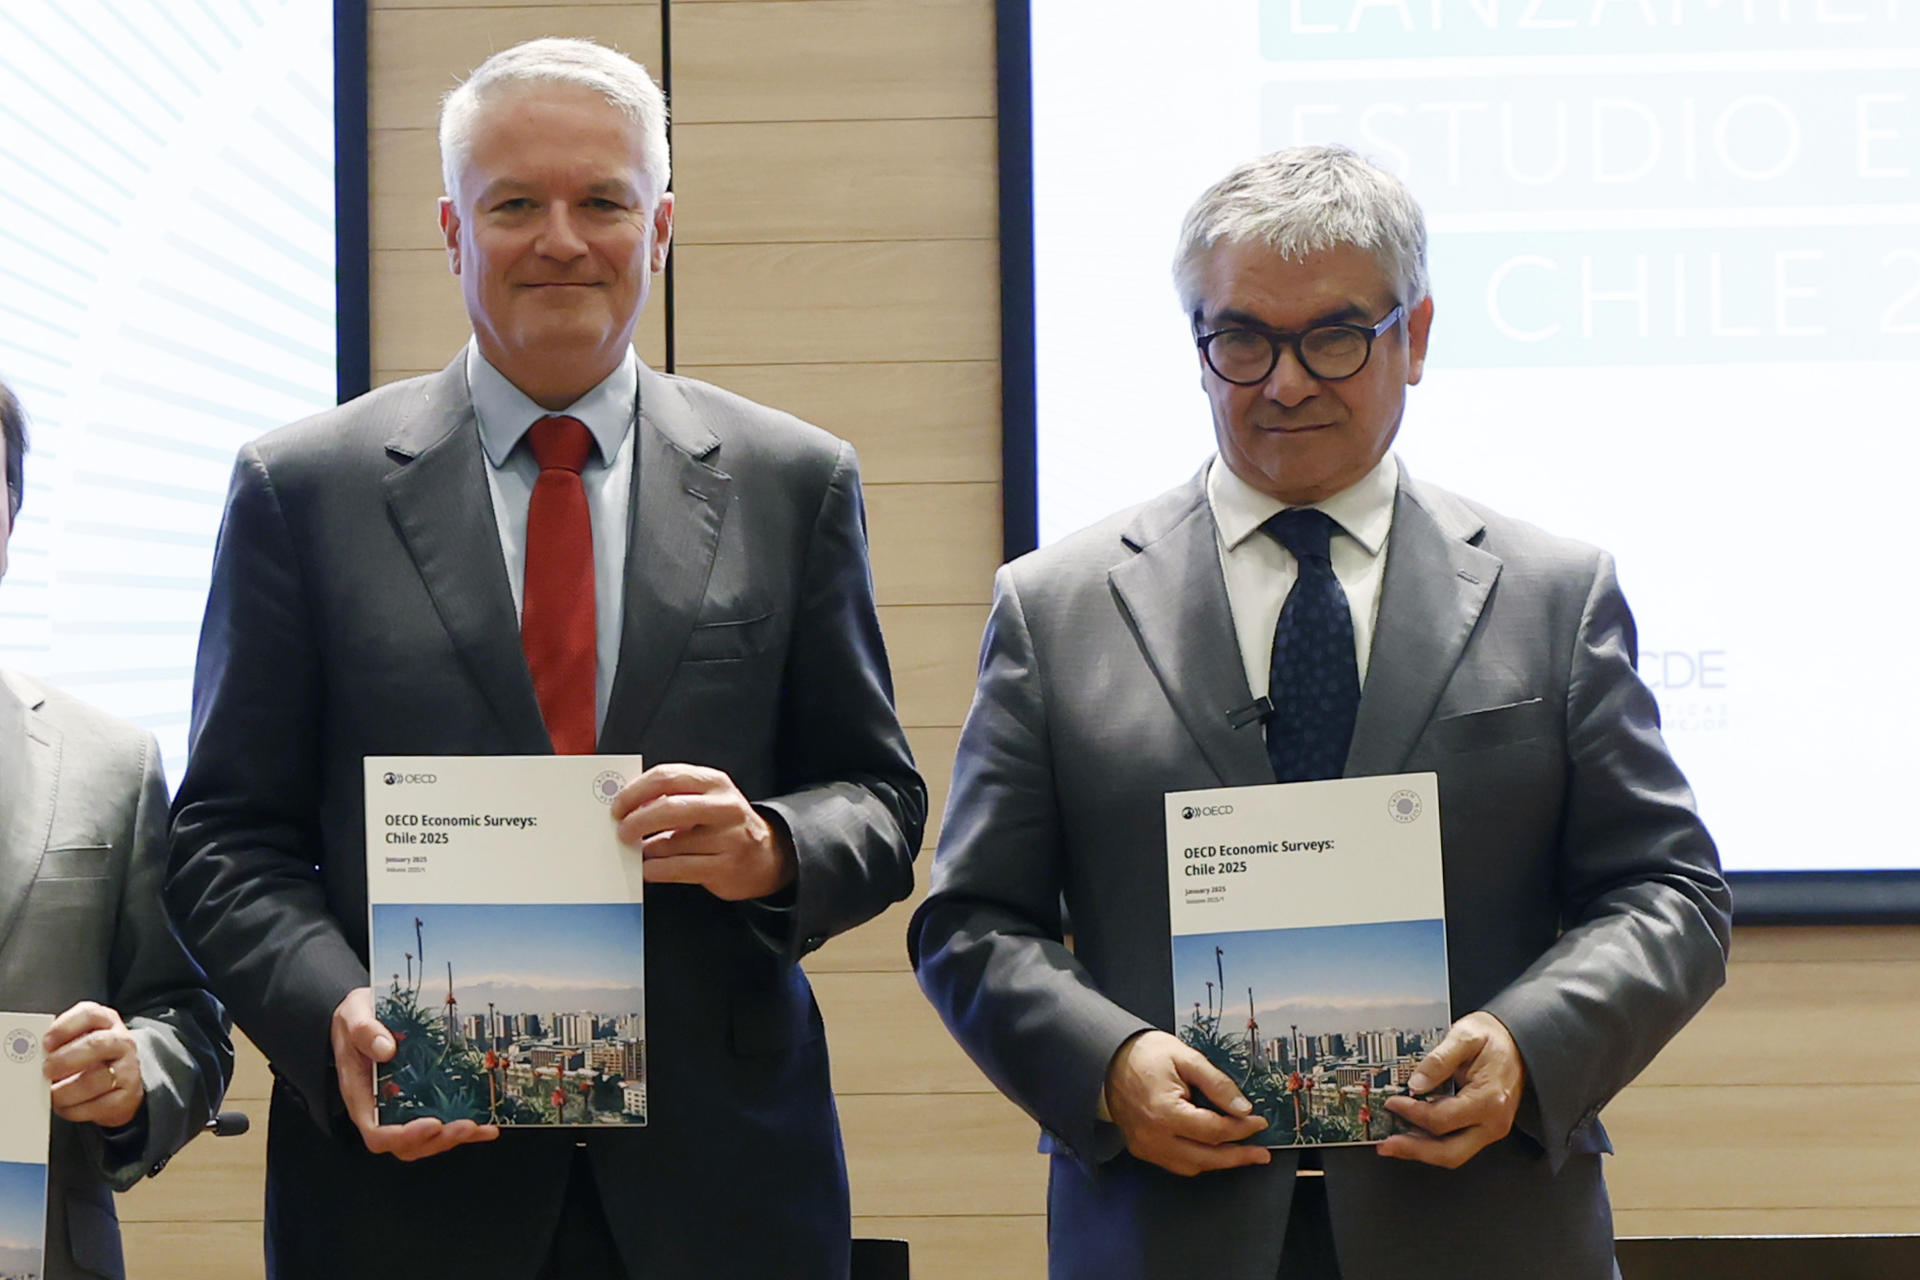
[556,611]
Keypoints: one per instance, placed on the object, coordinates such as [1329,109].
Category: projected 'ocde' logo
[393,779]
[1206,810]
[1673,669]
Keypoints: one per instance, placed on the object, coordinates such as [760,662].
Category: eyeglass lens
[1248,356]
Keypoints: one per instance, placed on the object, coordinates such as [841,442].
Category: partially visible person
[137,1055]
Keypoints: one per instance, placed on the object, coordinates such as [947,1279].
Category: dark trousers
[583,1247]
[1307,1252]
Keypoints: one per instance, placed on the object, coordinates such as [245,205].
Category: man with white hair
[1366,623]
[548,546]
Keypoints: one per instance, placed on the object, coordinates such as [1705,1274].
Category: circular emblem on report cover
[21,1045]
[1404,806]
[607,785]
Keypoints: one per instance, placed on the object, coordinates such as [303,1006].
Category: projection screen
[168,290]
[1675,250]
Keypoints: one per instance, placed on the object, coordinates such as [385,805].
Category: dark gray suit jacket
[1585,906]
[83,812]
[360,606]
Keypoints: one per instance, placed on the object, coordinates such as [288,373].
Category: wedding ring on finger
[113,1075]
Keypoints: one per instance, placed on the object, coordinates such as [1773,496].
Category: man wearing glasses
[1306,609]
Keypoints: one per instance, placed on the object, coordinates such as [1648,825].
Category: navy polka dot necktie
[1314,680]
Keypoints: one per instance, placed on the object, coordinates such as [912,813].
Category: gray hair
[1301,200]
[623,82]
[13,429]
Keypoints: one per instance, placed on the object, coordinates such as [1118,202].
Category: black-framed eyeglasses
[1330,352]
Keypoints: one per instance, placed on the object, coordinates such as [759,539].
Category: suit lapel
[1173,593]
[1435,584]
[438,495]
[29,772]
[678,506]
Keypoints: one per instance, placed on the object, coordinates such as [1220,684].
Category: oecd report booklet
[507,945]
[1310,946]
[25,1117]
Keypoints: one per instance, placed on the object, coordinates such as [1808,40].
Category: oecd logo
[1206,811]
[393,779]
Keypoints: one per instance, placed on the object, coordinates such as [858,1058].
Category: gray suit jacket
[82,850]
[360,606]
[1585,906]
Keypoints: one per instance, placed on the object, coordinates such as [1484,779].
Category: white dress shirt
[1260,572]
[609,412]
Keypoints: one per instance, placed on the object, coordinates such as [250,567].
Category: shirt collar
[505,412]
[1364,509]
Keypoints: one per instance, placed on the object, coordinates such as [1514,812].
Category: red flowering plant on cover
[432,1075]
[1233,1054]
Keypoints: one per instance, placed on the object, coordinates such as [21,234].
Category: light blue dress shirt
[609,412]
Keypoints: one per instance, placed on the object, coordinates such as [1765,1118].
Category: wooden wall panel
[1001,1246]
[887,301]
[933,748]
[419,319]
[1785,1107]
[1801,1143]
[836,255]
[210,1180]
[880,944]
[934,543]
[1740,1038]
[938,1154]
[886,1038]
[934,650]
[937,423]
[415,55]
[836,181]
[202,1250]
[404,188]
[1830,944]
[1766,1222]
[833,60]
